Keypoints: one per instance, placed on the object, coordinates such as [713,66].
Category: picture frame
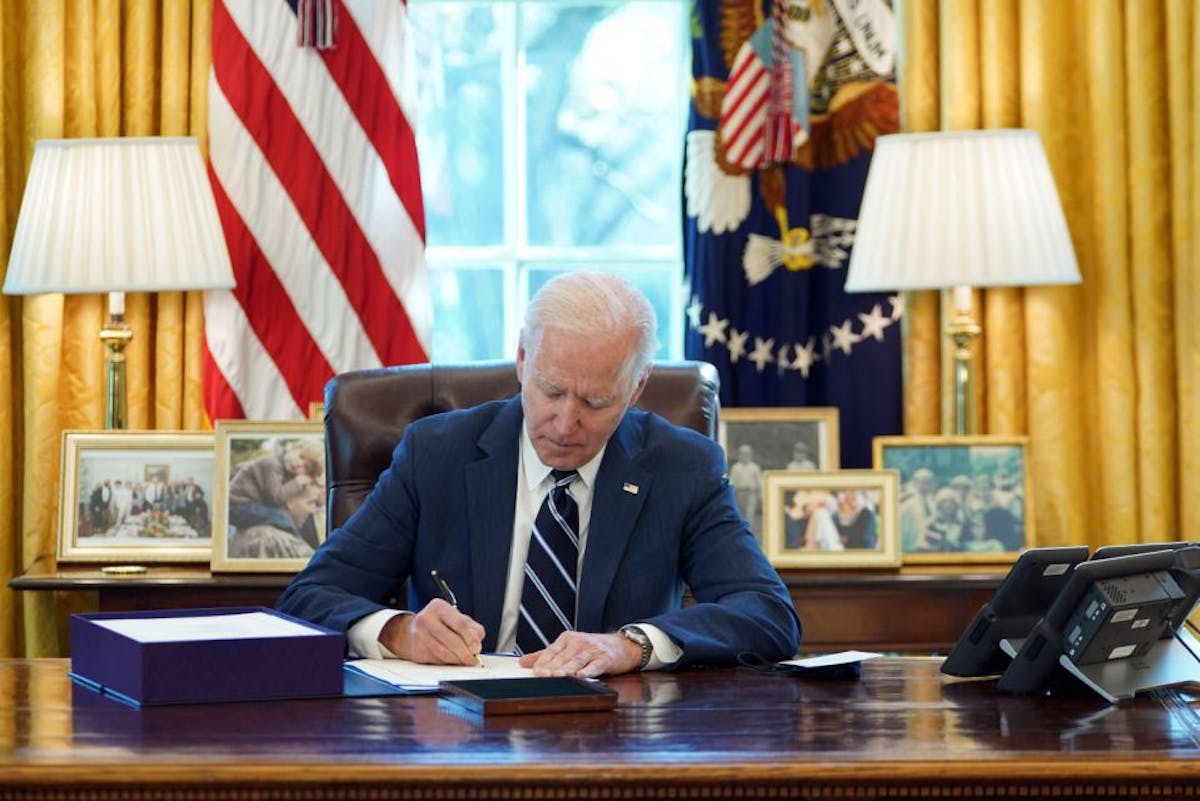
[269,513]
[792,438]
[990,479]
[135,497]
[834,519]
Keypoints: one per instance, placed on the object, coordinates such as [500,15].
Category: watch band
[635,634]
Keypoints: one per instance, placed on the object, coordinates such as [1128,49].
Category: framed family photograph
[777,438]
[135,496]
[844,518]
[962,499]
[270,495]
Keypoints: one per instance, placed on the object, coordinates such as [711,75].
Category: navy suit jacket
[663,515]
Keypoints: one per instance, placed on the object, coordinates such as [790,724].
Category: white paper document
[187,628]
[825,660]
[417,677]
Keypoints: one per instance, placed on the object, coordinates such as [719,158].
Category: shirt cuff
[363,635]
[665,652]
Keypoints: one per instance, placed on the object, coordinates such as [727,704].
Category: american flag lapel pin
[632,489]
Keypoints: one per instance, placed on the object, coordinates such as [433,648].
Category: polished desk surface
[902,730]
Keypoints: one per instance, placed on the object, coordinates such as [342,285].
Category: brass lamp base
[115,335]
[962,330]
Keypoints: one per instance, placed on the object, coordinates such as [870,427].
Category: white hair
[595,305]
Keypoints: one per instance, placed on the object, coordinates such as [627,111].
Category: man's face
[574,394]
[302,506]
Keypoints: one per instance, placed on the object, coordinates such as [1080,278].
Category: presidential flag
[788,97]
[314,166]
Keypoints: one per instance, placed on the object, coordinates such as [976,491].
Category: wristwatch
[635,634]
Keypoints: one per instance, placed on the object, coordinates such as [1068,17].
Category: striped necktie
[548,597]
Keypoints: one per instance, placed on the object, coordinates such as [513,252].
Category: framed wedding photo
[270,495]
[844,518]
[777,438]
[135,496]
[962,499]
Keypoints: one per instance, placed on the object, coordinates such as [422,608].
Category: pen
[444,588]
[448,597]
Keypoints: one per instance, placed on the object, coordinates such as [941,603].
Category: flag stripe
[743,111]
[241,364]
[218,393]
[363,84]
[268,118]
[265,210]
[746,139]
[304,369]
[332,273]
[354,163]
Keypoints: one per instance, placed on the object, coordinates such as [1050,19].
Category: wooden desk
[912,611]
[902,731]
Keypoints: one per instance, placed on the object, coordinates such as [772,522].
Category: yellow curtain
[1102,376]
[80,68]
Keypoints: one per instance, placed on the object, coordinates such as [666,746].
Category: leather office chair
[366,412]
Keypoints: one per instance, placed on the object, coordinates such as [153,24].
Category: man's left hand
[577,653]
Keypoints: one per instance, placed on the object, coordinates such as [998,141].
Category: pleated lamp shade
[123,214]
[960,208]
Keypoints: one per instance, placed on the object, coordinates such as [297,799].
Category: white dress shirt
[533,483]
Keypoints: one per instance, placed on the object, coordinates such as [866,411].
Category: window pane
[460,125]
[661,287]
[468,310]
[605,94]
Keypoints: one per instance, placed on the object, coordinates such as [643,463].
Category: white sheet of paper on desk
[413,676]
[825,660]
[189,628]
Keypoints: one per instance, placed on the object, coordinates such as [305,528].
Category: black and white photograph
[844,518]
[270,512]
[961,498]
[136,497]
[755,440]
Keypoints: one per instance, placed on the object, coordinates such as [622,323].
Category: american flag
[314,166]
[762,117]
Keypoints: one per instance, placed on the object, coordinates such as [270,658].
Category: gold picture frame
[985,479]
[837,519]
[755,440]
[269,511]
[135,496]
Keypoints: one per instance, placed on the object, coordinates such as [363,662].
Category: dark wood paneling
[912,611]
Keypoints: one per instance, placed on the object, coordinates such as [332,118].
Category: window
[551,137]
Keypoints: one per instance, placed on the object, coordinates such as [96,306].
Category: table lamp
[956,210]
[117,215]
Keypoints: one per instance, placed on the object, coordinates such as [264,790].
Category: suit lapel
[491,497]
[621,489]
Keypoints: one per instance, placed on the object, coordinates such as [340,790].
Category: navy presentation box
[213,668]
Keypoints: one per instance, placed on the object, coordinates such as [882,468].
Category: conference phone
[1116,622]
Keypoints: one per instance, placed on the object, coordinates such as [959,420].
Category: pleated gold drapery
[80,68]
[1103,376]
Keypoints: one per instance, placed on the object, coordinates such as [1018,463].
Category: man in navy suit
[655,513]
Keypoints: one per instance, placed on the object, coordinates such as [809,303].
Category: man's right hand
[437,635]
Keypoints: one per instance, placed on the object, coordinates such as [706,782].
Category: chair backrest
[366,412]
